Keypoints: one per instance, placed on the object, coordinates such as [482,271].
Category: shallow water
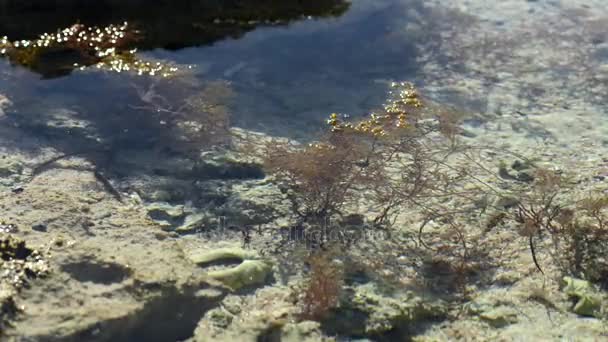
[528,76]
[287,78]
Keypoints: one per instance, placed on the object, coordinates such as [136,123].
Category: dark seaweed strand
[534,255]
[45,165]
[107,185]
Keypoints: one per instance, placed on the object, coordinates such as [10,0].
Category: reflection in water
[105,43]
[77,47]
[166,24]
[301,73]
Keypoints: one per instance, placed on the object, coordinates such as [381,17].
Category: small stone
[39,227]
[17,190]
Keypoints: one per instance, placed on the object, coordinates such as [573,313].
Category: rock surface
[101,254]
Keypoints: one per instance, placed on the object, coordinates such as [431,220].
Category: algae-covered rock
[500,316]
[192,223]
[10,166]
[307,331]
[13,248]
[219,317]
[492,310]
[249,272]
[259,315]
[218,255]
[226,167]
[589,302]
[394,313]
[163,212]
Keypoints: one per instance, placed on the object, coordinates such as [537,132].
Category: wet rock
[165,211]
[123,284]
[209,293]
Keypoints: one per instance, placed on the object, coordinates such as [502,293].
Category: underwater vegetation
[405,171]
[323,288]
[576,227]
[78,47]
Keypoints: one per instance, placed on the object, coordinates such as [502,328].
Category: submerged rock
[261,315]
[492,311]
[371,314]
[4,104]
[307,331]
[204,258]
[113,281]
[19,265]
[223,167]
[10,166]
[499,316]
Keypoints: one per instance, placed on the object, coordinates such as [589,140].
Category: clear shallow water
[525,65]
[286,79]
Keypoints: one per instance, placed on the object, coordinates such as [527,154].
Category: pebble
[40,227]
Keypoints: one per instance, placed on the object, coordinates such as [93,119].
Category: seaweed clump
[401,159]
[578,229]
[322,180]
[321,292]
[404,164]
